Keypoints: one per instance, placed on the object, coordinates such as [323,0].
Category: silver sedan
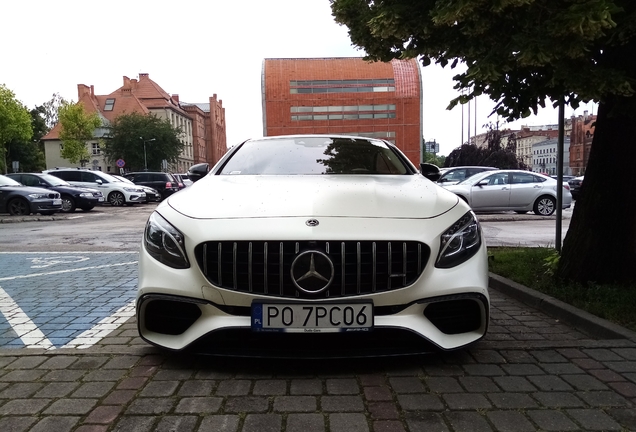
[516,190]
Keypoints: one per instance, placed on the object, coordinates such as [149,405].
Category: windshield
[475,178]
[54,181]
[314,155]
[6,181]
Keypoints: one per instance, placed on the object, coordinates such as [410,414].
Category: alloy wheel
[116,199]
[19,207]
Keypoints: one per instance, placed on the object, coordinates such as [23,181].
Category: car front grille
[265,267]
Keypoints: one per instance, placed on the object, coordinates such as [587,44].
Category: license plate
[57,201]
[312,318]
[101,199]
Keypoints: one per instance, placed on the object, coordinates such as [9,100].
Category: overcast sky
[196,49]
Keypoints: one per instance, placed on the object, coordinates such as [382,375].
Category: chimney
[83,89]
[175,98]
[143,76]
[585,115]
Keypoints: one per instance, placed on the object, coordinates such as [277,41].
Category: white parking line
[90,337]
[66,271]
[26,329]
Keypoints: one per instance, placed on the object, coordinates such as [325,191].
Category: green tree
[15,123]
[432,158]
[78,126]
[142,140]
[521,53]
[30,153]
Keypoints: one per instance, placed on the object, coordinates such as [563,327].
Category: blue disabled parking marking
[54,300]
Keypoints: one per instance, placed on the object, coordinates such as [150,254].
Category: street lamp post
[145,159]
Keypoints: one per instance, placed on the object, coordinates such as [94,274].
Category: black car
[165,183]
[575,187]
[72,196]
[18,200]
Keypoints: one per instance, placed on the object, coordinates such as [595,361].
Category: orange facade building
[347,96]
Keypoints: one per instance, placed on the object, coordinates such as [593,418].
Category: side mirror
[483,183]
[98,181]
[198,171]
[430,171]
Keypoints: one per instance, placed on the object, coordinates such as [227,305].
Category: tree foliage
[15,123]
[77,127]
[30,153]
[51,108]
[499,151]
[434,159]
[521,53]
[130,133]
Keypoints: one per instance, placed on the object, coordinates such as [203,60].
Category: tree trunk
[600,245]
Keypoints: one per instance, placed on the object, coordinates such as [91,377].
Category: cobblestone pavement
[531,373]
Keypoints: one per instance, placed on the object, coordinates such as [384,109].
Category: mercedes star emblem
[312,222]
[312,272]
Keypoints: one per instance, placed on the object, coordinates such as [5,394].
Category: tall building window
[96,150]
[342,112]
[342,86]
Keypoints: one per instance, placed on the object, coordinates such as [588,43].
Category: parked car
[116,192]
[183,179]
[72,196]
[331,244]
[521,191]
[152,195]
[454,175]
[165,183]
[19,200]
[575,186]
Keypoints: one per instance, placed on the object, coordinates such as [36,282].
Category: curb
[585,321]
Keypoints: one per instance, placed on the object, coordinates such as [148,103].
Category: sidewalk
[532,372]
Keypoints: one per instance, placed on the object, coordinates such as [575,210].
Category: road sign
[120,163]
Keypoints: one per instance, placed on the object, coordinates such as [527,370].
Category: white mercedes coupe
[313,246]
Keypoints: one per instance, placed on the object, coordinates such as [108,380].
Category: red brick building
[581,142]
[344,96]
[202,125]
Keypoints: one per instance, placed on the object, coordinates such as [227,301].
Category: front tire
[116,199]
[544,206]
[68,204]
[18,207]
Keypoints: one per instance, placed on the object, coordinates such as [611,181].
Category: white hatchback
[116,192]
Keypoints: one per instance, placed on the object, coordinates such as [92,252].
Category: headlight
[460,242]
[86,195]
[165,243]
[38,196]
[129,189]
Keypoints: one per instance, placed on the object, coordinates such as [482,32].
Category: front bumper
[45,205]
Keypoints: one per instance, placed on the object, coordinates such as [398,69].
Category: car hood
[387,196]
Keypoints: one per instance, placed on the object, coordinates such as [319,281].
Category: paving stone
[602,354]
[626,353]
[71,406]
[150,406]
[444,385]
[219,423]
[592,419]
[23,406]
[487,356]
[512,400]
[262,423]
[478,384]
[606,375]
[372,380]
[484,370]
[295,404]
[20,390]
[58,362]
[548,356]
[16,424]
[510,421]
[93,390]
[197,388]
[625,366]
[625,416]
[523,369]
[239,404]
[23,376]
[348,423]
[444,370]
[383,410]
[88,363]
[467,422]
[341,404]
[27,362]
[514,384]
[270,387]
[603,399]
[177,424]
[420,402]
[143,370]
[173,375]
[463,401]
[199,405]
[558,399]
[92,428]
[104,414]
[587,363]
[135,424]
[56,423]
[160,389]
[551,420]
[305,387]
[56,390]
[517,356]
[425,422]
[119,397]
[626,389]
[132,383]
[561,369]
[550,383]
[121,362]
[388,426]
[233,388]
[343,386]
[305,423]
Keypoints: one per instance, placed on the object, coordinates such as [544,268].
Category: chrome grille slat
[360,267]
